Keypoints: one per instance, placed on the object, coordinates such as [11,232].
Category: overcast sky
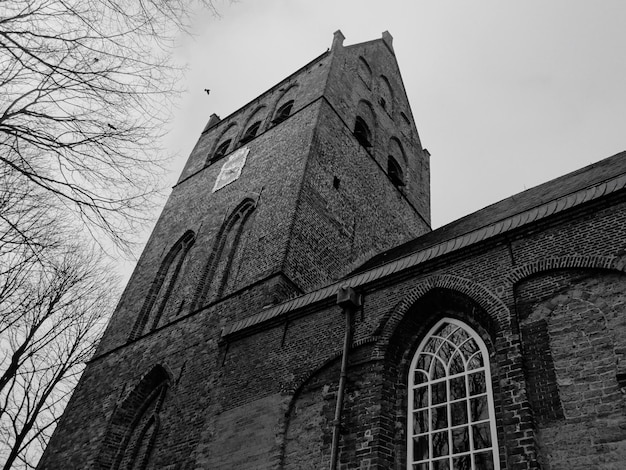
[505,95]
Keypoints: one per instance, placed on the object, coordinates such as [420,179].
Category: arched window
[283,112]
[394,170]
[221,151]
[364,124]
[132,432]
[160,294]
[362,132]
[216,277]
[250,133]
[451,421]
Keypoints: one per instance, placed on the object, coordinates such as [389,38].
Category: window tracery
[451,420]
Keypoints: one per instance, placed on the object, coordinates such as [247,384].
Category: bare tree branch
[85,90]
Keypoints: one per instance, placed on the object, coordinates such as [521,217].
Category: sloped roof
[578,187]
[534,197]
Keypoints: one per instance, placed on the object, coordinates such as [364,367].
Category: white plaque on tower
[231,170]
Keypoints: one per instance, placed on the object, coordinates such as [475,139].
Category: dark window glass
[362,132]
[221,150]
[250,132]
[395,172]
[283,112]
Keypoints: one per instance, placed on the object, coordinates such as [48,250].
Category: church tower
[287,194]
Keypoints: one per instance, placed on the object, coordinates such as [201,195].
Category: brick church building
[294,310]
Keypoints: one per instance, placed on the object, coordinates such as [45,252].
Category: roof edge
[508,224]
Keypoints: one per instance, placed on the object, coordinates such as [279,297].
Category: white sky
[505,95]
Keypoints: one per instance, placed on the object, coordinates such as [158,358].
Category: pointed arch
[217,271]
[497,311]
[159,295]
[132,431]
[451,413]
[251,127]
[283,112]
[365,124]
[223,144]
[288,94]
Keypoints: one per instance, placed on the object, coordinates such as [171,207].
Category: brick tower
[282,197]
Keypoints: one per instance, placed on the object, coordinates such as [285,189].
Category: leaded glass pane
[424,362]
[469,348]
[462,463]
[457,388]
[445,351]
[439,392]
[458,412]
[459,336]
[440,444]
[456,366]
[438,371]
[420,421]
[420,448]
[477,383]
[432,345]
[440,417]
[443,464]
[476,361]
[482,436]
[420,377]
[420,397]
[484,461]
[460,440]
[479,408]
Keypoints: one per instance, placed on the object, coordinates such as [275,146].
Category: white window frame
[411,397]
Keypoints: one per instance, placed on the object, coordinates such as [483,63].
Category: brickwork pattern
[581,313]
[547,298]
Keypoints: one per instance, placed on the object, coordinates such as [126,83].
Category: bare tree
[50,325]
[86,87]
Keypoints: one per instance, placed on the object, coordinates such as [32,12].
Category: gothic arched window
[451,421]
[159,297]
[250,133]
[362,132]
[394,170]
[283,112]
[132,431]
[221,150]
[218,272]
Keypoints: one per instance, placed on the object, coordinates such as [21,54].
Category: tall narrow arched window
[218,276]
[394,170]
[283,112]
[451,420]
[364,124]
[221,151]
[159,299]
[362,132]
[250,133]
[134,426]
